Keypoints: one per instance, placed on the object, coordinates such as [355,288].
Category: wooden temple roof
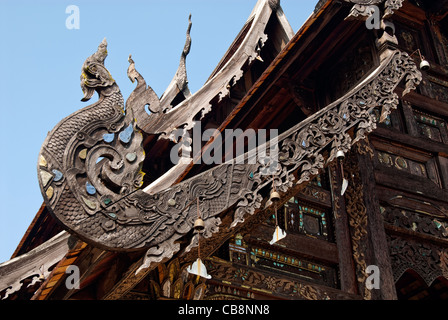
[268,79]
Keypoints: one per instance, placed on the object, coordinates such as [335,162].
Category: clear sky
[41,59]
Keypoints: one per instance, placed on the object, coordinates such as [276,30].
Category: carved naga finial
[95,76]
[92,158]
[363,8]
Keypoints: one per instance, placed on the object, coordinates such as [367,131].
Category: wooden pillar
[342,233]
[378,246]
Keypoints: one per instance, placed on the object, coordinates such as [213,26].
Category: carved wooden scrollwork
[418,221]
[90,164]
[428,260]
[363,8]
[249,278]
[357,214]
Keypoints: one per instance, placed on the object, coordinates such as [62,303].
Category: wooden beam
[410,183]
[296,244]
[128,281]
[58,273]
[272,284]
[34,263]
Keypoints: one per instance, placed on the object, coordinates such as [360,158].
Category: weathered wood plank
[410,183]
[34,263]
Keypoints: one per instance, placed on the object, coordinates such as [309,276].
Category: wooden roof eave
[179,171]
[41,229]
[225,218]
[29,230]
[229,69]
[35,263]
[354,131]
[300,159]
[183,115]
[231,51]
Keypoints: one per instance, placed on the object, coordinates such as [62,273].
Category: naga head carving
[95,76]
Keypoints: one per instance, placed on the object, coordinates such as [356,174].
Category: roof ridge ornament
[142,96]
[274,4]
[95,76]
[179,83]
[230,70]
[363,8]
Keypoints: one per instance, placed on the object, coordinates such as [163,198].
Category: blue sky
[40,63]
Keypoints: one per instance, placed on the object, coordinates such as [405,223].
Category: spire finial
[179,84]
[274,4]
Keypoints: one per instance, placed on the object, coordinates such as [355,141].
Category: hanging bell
[424,65]
[199,225]
[275,196]
[340,154]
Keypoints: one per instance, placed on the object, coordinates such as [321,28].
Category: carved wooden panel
[431,127]
[408,35]
[436,88]
[430,261]
[391,160]
[441,43]
[250,279]
[294,266]
[417,220]
[399,159]
[270,258]
[298,216]
[357,218]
